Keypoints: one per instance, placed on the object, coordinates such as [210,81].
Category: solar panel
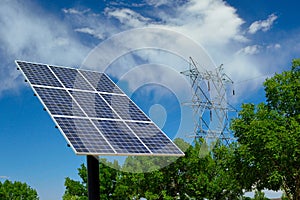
[93,114]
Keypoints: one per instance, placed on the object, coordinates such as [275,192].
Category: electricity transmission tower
[211,111]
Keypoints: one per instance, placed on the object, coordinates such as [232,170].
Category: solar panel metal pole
[93,182]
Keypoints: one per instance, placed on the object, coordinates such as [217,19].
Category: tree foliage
[17,191]
[269,137]
[77,190]
[259,195]
[189,177]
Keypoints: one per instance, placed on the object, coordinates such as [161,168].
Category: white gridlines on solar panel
[93,114]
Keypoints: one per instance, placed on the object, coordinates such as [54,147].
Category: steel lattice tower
[211,111]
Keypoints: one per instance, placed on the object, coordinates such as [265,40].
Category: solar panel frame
[91,119]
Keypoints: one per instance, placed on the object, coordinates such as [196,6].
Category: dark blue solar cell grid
[83,136]
[94,105]
[71,78]
[120,137]
[125,107]
[101,82]
[58,101]
[153,138]
[38,74]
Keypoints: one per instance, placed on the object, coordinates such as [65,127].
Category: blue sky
[253,39]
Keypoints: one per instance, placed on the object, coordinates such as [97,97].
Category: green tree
[77,190]
[209,176]
[109,175]
[259,195]
[17,191]
[189,177]
[193,176]
[268,150]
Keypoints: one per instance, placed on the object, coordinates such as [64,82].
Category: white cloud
[277,46]
[4,177]
[75,11]
[90,23]
[263,25]
[25,35]
[210,22]
[157,3]
[91,32]
[127,17]
[250,50]
[274,46]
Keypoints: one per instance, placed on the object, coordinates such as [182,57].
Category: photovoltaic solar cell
[101,82]
[94,105]
[93,114]
[121,137]
[125,107]
[152,137]
[59,102]
[38,74]
[71,78]
[83,135]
